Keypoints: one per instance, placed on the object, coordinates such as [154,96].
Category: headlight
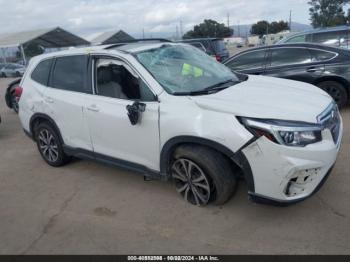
[286,133]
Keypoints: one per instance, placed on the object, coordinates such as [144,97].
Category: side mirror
[134,112]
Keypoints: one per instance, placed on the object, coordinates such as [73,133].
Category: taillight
[218,58]
[18,92]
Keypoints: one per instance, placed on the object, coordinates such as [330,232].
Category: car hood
[269,98]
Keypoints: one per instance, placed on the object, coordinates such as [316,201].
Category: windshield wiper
[209,90]
[222,85]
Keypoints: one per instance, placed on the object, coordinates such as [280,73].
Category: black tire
[18,74]
[215,168]
[54,154]
[336,90]
[3,75]
[14,102]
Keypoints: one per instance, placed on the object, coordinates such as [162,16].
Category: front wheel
[202,176]
[50,146]
[336,90]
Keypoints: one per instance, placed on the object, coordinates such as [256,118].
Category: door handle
[93,108]
[314,69]
[49,100]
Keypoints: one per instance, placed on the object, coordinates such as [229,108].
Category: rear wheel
[3,75]
[50,146]
[336,90]
[18,74]
[202,176]
[13,98]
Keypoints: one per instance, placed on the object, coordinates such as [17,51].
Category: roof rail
[118,44]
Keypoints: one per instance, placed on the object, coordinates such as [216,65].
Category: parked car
[12,70]
[338,36]
[323,66]
[11,95]
[213,46]
[169,111]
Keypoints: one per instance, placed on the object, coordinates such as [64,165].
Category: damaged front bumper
[287,175]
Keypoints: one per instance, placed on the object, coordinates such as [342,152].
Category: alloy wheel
[191,182]
[48,145]
[333,92]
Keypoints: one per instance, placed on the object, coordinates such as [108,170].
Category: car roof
[299,45]
[120,48]
[318,30]
[200,39]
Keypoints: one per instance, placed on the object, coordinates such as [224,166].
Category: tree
[209,28]
[264,27]
[328,13]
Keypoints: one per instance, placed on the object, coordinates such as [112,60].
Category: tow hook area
[298,184]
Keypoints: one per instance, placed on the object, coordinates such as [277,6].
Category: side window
[319,56]
[288,56]
[70,74]
[297,39]
[114,79]
[327,38]
[344,38]
[42,71]
[251,60]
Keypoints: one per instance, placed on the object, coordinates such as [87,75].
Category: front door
[117,86]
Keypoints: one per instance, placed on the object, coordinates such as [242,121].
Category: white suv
[170,111]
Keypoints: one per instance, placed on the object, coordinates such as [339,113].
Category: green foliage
[264,27]
[209,28]
[328,13]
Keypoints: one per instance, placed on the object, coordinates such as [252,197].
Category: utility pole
[177,33]
[290,21]
[181,30]
[239,29]
[143,33]
[228,20]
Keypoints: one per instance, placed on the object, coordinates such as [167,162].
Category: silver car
[12,70]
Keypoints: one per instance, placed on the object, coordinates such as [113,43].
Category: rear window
[70,74]
[219,46]
[42,71]
[319,55]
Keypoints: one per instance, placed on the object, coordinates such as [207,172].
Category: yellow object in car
[188,69]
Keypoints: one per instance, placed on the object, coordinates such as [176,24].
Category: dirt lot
[90,208]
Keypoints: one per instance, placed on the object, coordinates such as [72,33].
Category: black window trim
[48,78]
[268,64]
[86,78]
[264,65]
[92,75]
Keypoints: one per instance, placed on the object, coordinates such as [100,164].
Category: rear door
[65,99]
[253,62]
[293,63]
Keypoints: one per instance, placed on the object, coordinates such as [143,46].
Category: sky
[88,17]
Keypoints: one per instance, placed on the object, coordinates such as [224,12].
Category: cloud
[89,16]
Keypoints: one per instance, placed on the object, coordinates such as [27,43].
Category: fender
[41,116]
[238,158]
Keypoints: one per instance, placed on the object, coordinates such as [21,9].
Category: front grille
[330,119]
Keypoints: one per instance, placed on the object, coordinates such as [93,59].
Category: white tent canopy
[47,38]
[111,37]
